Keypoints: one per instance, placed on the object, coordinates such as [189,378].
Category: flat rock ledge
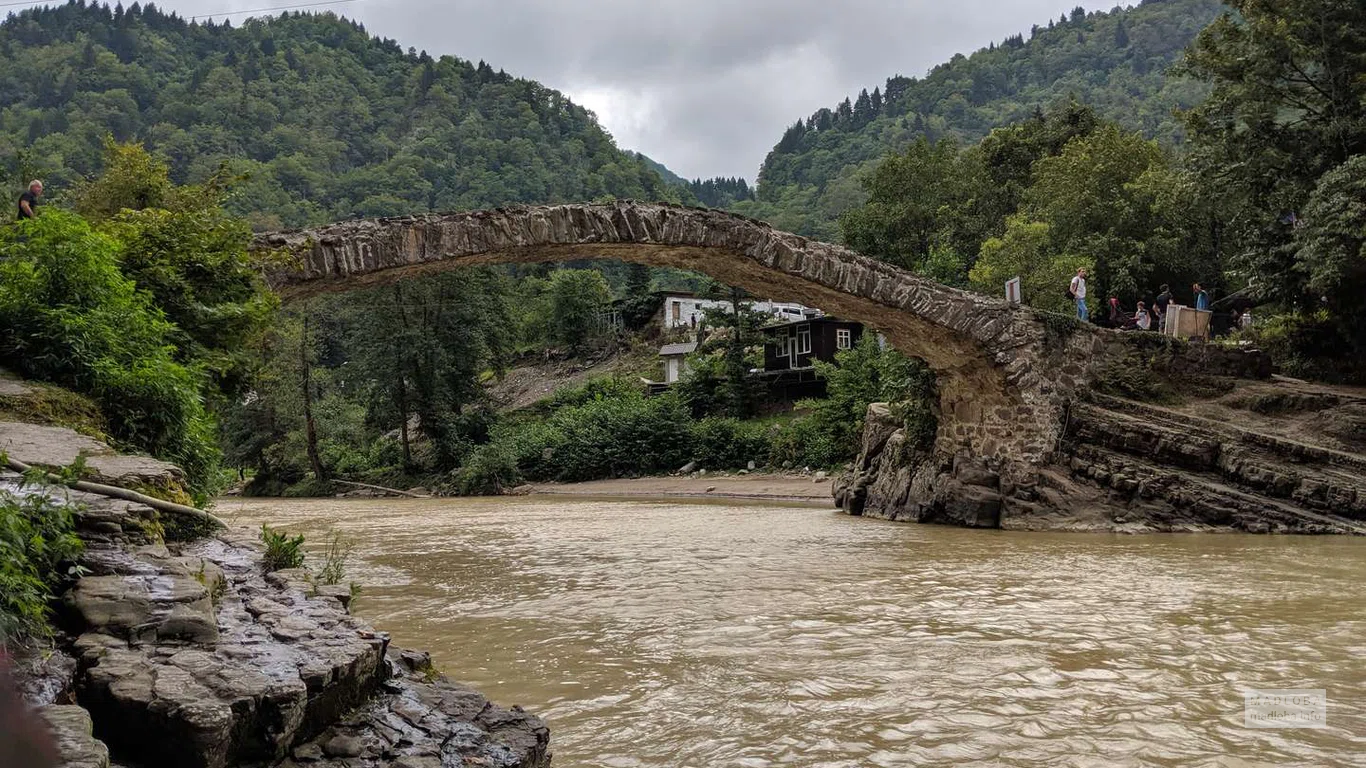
[192,656]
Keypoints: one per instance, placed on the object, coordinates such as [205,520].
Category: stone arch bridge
[1005,373]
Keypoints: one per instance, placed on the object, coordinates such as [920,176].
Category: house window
[781,340]
[803,339]
[842,339]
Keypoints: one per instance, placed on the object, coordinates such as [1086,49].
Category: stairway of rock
[1180,471]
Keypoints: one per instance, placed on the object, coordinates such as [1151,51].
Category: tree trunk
[403,423]
[310,431]
[403,385]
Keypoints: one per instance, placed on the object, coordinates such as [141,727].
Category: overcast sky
[704,86]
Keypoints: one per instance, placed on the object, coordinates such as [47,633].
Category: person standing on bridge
[28,202]
[1077,290]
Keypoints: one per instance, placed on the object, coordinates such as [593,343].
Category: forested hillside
[1114,62]
[323,120]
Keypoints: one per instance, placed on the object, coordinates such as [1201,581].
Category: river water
[676,634]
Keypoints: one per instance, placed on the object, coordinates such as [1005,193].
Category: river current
[672,634]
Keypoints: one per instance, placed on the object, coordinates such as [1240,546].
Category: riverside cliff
[189,653]
[1252,454]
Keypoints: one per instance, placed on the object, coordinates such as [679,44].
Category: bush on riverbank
[37,543]
[608,428]
[69,316]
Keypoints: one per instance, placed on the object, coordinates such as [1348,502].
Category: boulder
[72,731]
[284,664]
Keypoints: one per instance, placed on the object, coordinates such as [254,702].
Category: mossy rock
[53,406]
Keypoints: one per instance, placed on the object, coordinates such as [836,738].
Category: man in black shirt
[28,202]
[1160,306]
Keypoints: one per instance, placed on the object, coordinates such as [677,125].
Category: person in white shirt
[1142,319]
[1078,292]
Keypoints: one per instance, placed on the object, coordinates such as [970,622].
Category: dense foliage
[1114,61]
[1278,145]
[37,546]
[69,316]
[325,121]
[608,428]
[720,192]
[1038,200]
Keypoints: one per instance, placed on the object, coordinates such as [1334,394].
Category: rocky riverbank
[192,654]
[1128,466]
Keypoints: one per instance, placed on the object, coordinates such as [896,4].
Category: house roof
[669,350]
[808,320]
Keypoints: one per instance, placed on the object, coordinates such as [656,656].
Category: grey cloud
[703,86]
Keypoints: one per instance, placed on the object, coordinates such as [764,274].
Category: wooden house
[794,346]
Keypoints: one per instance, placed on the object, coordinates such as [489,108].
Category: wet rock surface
[287,674]
[172,681]
[46,446]
[71,730]
[192,656]
[422,720]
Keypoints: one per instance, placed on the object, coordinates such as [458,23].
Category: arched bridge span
[1002,381]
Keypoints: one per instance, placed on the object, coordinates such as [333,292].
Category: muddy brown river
[676,634]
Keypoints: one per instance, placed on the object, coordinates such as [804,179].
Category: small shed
[675,360]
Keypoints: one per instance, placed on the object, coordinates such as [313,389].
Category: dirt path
[783,487]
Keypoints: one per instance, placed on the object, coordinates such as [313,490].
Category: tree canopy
[1115,62]
[319,119]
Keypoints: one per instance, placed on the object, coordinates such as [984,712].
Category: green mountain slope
[1113,61]
[323,120]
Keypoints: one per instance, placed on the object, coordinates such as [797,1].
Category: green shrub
[38,549]
[488,471]
[620,437]
[720,443]
[308,487]
[605,388]
[806,442]
[617,433]
[68,316]
[338,551]
[282,550]
[1312,346]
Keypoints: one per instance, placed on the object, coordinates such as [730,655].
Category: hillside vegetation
[1114,62]
[321,120]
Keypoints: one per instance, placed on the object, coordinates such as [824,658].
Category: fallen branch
[394,491]
[115,492]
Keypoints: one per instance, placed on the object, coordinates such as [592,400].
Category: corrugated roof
[678,349]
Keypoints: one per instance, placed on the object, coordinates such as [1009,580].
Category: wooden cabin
[795,345]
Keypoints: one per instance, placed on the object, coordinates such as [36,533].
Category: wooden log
[394,491]
[124,494]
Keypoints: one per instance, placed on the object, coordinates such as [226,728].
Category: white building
[686,310]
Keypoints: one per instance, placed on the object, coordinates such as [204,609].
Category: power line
[273,8]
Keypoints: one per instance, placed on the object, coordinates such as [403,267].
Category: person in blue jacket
[1201,297]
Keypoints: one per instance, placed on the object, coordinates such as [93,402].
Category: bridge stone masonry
[1007,375]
